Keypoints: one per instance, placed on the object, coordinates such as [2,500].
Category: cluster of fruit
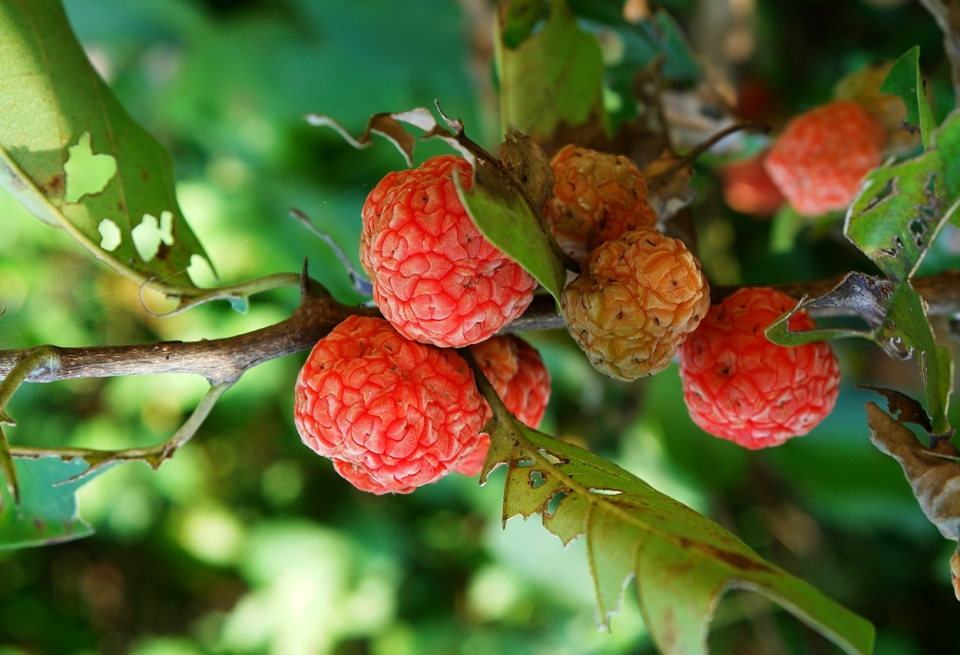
[818,162]
[390,401]
[396,407]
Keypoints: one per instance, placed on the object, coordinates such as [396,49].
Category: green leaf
[73,156]
[866,295]
[902,207]
[507,220]
[907,321]
[553,80]
[904,80]
[683,562]
[47,514]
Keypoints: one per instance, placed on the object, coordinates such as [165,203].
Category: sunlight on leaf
[73,156]
[683,562]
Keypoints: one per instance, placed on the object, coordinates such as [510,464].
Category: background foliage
[246,542]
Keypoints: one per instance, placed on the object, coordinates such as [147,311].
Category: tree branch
[224,360]
[218,360]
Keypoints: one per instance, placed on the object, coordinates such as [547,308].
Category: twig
[221,360]
[154,456]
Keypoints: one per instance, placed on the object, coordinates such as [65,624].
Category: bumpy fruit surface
[634,302]
[391,413]
[519,377]
[740,386]
[435,277]
[822,156]
[596,198]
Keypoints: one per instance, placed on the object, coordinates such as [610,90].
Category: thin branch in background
[360,283]
[233,293]
[220,360]
[153,456]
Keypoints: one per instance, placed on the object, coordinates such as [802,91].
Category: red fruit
[822,156]
[435,277]
[747,187]
[391,413]
[596,198]
[519,377]
[740,386]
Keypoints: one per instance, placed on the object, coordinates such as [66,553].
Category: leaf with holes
[682,561]
[47,512]
[902,207]
[73,156]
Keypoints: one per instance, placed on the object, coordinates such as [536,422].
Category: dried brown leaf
[530,165]
[933,474]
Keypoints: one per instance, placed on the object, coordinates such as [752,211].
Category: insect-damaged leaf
[902,207]
[46,513]
[682,561]
[59,125]
[506,196]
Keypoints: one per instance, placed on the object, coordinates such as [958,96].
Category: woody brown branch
[223,360]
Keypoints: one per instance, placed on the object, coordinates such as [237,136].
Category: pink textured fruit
[519,377]
[391,413]
[435,277]
[634,302]
[740,386]
[822,156]
[596,198]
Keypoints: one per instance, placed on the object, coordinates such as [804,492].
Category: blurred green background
[247,542]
